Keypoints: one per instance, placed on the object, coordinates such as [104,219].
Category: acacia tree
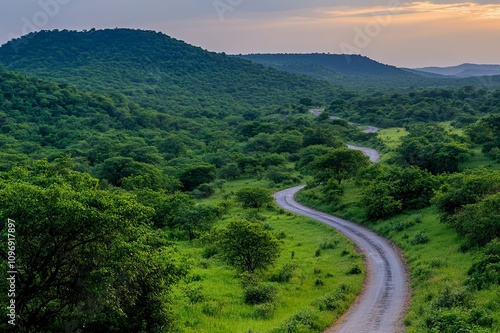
[339,164]
[254,197]
[248,246]
[87,259]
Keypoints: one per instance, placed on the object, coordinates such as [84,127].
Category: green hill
[361,73]
[158,71]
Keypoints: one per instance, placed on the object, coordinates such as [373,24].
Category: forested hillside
[465,105]
[360,73]
[158,71]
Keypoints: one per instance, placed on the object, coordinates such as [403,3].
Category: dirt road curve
[381,307]
[382,304]
[371,153]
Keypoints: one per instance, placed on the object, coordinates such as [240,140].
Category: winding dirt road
[381,307]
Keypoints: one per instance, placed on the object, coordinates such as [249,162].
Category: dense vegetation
[129,194]
[158,72]
[446,222]
[463,105]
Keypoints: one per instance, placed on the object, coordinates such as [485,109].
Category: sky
[397,32]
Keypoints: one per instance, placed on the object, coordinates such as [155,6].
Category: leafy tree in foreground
[248,246]
[87,259]
[254,197]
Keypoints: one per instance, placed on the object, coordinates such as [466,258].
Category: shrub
[420,238]
[264,311]
[264,293]
[319,282]
[355,270]
[209,252]
[284,274]
[332,301]
[194,294]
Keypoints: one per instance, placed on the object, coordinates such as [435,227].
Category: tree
[465,189]
[254,197]
[378,202]
[229,171]
[196,175]
[248,246]
[196,219]
[480,222]
[339,164]
[87,259]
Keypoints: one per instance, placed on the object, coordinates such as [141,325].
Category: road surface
[371,153]
[382,305]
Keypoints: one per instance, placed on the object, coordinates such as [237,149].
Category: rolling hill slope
[158,71]
[361,73]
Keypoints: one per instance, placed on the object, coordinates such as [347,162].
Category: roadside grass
[211,298]
[436,264]
[479,159]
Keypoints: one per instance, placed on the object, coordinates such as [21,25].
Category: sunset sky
[405,34]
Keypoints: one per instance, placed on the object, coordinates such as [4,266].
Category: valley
[159,187]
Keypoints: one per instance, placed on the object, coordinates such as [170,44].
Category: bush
[332,301]
[355,270]
[301,321]
[203,191]
[264,293]
[328,245]
[486,271]
[194,294]
[420,238]
[264,311]
[449,298]
[284,275]
[209,252]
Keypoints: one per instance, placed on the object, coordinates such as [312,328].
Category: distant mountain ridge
[463,71]
[358,72]
[340,63]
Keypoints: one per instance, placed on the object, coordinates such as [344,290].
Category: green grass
[477,160]
[221,307]
[391,137]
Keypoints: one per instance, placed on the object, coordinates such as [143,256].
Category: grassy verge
[319,291]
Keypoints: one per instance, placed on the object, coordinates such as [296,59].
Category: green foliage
[486,271]
[378,201]
[158,72]
[87,259]
[247,246]
[432,148]
[339,164]
[284,275]
[334,300]
[254,197]
[259,294]
[196,175]
[196,219]
[333,192]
